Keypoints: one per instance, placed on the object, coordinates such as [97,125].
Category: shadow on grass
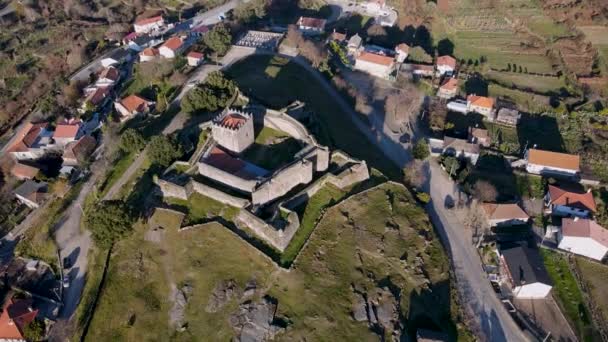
[540,130]
[495,169]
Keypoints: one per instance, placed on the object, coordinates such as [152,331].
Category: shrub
[421,149]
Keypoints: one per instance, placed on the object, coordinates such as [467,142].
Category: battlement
[232,119]
[233,130]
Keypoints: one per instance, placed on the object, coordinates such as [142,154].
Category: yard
[276,82]
[568,294]
[200,208]
[595,277]
[540,84]
[272,149]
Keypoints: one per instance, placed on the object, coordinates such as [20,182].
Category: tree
[132,141]
[218,39]
[247,12]
[109,221]
[163,150]
[485,191]
[437,115]
[313,52]
[402,105]
[216,93]
[445,47]
[421,149]
[294,37]
[508,66]
[414,174]
[34,331]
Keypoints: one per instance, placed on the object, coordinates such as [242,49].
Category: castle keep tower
[233,130]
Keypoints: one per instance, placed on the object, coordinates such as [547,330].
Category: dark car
[67,263]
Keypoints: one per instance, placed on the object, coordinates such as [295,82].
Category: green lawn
[525,100]
[568,294]
[200,208]
[595,277]
[539,84]
[272,149]
[276,82]
[114,174]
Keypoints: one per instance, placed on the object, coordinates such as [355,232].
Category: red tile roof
[312,22]
[375,58]
[173,43]
[149,52]
[26,136]
[23,171]
[66,131]
[503,211]
[134,103]
[403,47]
[481,101]
[224,161]
[16,315]
[585,228]
[560,196]
[450,85]
[98,95]
[447,60]
[81,149]
[110,73]
[194,54]
[149,20]
[554,159]
[233,121]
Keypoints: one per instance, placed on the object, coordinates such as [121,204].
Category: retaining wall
[282,181]
[215,194]
[226,178]
[278,238]
[169,189]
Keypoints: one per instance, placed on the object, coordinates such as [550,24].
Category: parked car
[66,282]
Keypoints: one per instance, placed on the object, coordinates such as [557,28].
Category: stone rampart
[215,194]
[226,178]
[169,189]
[278,238]
[282,181]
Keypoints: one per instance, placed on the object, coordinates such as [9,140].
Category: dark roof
[119,54]
[141,40]
[30,187]
[525,264]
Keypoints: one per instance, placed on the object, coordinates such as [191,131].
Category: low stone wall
[282,181]
[215,194]
[169,189]
[226,178]
[277,238]
[319,155]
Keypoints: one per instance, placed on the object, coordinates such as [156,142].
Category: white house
[480,104]
[446,65]
[116,58]
[142,42]
[551,163]
[309,25]
[131,106]
[560,201]
[525,271]
[354,44]
[375,64]
[402,51]
[66,132]
[32,141]
[171,48]
[149,24]
[584,237]
[148,54]
[504,214]
[508,116]
[107,77]
[194,58]
[461,148]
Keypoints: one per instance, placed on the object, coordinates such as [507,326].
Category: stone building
[233,130]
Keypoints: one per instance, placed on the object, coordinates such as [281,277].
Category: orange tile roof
[173,43]
[585,228]
[554,159]
[111,73]
[312,22]
[450,85]
[149,52]
[66,131]
[375,58]
[447,60]
[147,21]
[133,103]
[16,314]
[194,54]
[403,47]
[24,171]
[560,196]
[503,211]
[233,121]
[81,149]
[97,95]
[481,101]
[26,136]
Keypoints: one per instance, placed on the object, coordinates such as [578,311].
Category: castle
[233,130]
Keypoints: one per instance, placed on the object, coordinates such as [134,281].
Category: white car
[66,282]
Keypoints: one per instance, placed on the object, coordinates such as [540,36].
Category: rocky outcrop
[221,295]
[380,309]
[256,321]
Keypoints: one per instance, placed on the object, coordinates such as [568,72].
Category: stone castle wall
[215,194]
[282,181]
[169,189]
[235,140]
[226,178]
[277,238]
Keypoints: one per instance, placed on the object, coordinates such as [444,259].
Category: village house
[480,104]
[23,171]
[337,37]
[116,58]
[194,58]
[375,5]
[94,98]
[446,65]
[549,163]
[354,45]
[171,48]
[507,116]
[504,214]
[148,54]
[525,271]
[66,131]
[461,148]
[149,24]
[583,237]
[31,193]
[78,151]
[479,136]
[402,51]
[375,64]
[448,89]
[311,26]
[131,106]
[200,31]
[421,70]
[16,315]
[568,201]
[32,141]
[108,77]
[142,42]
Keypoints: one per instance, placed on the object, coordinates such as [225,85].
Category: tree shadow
[445,47]
[461,123]
[431,309]
[494,169]
[476,85]
[541,131]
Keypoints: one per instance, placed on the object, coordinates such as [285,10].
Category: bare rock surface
[256,321]
[221,295]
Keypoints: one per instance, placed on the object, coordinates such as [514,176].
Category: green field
[351,248]
[276,82]
[200,208]
[595,277]
[540,84]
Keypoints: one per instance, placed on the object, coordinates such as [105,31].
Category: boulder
[255,322]
[221,295]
